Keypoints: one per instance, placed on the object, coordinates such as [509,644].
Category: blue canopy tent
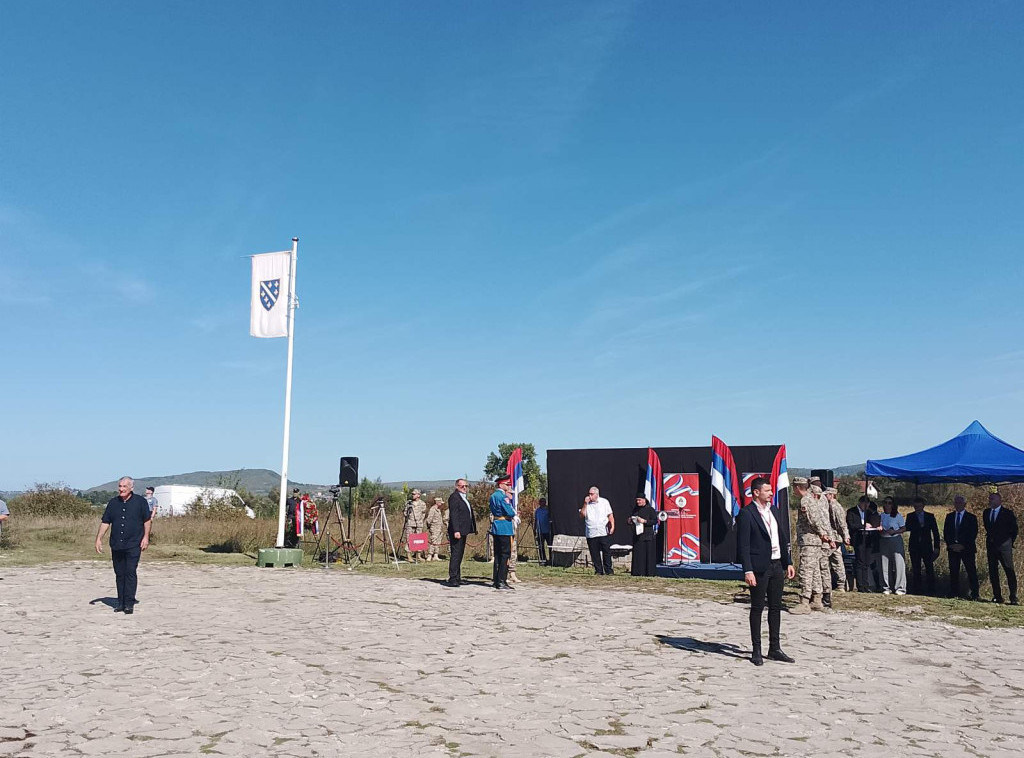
[974,456]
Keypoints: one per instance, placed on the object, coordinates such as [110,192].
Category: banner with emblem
[268,313]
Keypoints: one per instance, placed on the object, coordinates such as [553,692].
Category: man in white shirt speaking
[762,544]
[600,523]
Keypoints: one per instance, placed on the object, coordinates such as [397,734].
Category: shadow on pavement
[697,646]
[110,602]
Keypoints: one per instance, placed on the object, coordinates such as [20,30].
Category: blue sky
[575,224]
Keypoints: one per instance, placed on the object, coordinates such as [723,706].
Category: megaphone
[662,515]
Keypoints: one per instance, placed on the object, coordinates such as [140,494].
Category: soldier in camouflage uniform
[826,547]
[842,536]
[812,530]
[416,521]
[435,527]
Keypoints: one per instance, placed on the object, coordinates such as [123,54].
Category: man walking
[502,531]
[924,546]
[812,531]
[960,532]
[600,524]
[461,524]
[128,518]
[1000,534]
[762,543]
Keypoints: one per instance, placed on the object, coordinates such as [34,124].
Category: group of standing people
[821,531]
[879,561]
[419,518]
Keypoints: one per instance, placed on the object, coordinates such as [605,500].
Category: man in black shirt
[128,518]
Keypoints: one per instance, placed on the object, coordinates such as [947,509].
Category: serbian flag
[724,477]
[514,469]
[652,486]
[780,479]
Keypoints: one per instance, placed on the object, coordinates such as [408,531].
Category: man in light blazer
[762,546]
[461,524]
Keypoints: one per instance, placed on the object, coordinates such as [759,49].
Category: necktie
[959,518]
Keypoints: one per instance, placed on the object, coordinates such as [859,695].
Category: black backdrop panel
[619,473]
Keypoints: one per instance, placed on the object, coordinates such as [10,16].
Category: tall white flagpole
[288,394]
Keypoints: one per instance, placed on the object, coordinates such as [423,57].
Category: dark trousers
[543,542]
[862,569]
[601,553]
[1002,555]
[644,558]
[916,559]
[768,590]
[126,564]
[457,549]
[502,551]
[968,559]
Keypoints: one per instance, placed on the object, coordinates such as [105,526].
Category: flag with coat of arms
[268,308]
[652,485]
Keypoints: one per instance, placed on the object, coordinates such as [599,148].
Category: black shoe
[755,657]
[506,586]
[449,584]
[128,610]
[778,655]
[998,600]
[974,597]
[119,608]
[1013,601]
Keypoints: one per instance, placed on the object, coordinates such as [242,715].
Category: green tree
[52,500]
[534,480]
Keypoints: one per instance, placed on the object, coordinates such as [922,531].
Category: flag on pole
[514,469]
[268,309]
[780,479]
[724,477]
[652,485]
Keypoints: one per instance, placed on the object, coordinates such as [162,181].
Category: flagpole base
[278,557]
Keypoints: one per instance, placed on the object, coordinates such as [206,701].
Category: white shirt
[773,529]
[597,517]
[893,522]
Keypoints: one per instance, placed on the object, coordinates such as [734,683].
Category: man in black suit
[924,545]
[860,537]
[762,545]
[461,524]
[960,533]
[1000,533]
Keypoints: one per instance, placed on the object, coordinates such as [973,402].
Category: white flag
[268,313]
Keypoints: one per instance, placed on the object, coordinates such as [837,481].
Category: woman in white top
[893,561]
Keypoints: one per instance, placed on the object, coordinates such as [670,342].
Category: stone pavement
[276,662]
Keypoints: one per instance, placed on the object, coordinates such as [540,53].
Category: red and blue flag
[724,477]
[652,486]
[514,469]
[780,479]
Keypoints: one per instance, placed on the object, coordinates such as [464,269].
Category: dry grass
[44,539]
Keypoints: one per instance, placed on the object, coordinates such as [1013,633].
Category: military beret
[799,480]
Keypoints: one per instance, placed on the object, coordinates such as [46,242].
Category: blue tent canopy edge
[974,456]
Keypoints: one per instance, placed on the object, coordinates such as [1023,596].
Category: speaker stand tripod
[349,553]
[379,530]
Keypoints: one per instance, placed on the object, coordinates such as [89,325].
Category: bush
[51,500]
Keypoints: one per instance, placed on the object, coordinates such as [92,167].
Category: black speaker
[827,476]
[348,475]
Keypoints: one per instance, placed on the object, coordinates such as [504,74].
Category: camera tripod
[379,530]
[349,552]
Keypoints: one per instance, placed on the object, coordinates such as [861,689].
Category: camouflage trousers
[836,564]
[435,544]
[809,572]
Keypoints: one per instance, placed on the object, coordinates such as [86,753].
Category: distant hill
[851,470]
[256,480]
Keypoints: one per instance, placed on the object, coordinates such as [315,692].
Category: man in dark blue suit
[1000,534]
[960,532]
[762,545]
